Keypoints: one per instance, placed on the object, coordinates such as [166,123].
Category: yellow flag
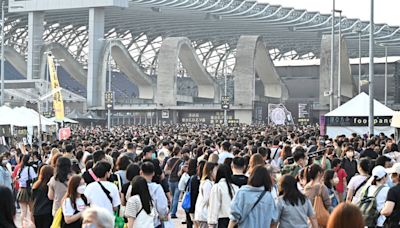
[58,103]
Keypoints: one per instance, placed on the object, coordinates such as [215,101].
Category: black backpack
[368,208]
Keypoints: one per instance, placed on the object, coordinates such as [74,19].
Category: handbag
[186,202]
[321,212]
[57,219]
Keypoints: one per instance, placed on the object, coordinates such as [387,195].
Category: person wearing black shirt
[42,205]
[238,178]
[391,209]
[369,151]
[349,164]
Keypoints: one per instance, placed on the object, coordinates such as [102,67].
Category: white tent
[352,117]
[66,120]
[22,117]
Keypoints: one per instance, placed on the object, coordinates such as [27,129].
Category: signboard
[303,121]
[165,114]
[5,130]
[109,99]
[304,110]
[64,133]
[20,131]
[58,103]
[233,123]
[225,104]
[279,115]
[357,121]
[204,117]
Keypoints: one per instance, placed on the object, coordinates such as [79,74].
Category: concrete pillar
[96,32]
[35,42]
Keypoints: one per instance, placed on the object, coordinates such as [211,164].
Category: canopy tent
[352,117]
[92,116]
[22,117]
[66,120]
[75,115]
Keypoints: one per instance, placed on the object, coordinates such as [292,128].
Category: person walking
[58,183]
[24,197]
[294,209]
[42,205]
[140,208]
[74,203]
[253,206]
[221,197]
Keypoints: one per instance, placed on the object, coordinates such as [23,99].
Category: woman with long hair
[74,203]
[346,215]
[7,208]
[293,207]
[194,190]
[253,205]
[42,205]
[330,181]
[315,187]
[139,208]
[203,199]
[25,177]
[221,197]
[58,183]
[255,160]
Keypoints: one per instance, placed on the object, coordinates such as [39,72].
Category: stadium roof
[213,26]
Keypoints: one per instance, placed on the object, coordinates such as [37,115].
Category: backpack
[368,208]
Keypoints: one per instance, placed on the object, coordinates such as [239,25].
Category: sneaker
[174,217]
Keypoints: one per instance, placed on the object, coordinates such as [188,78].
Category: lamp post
[386,75]
[359,61]
[2,53]
[339,95]
[331,92]
[371,71]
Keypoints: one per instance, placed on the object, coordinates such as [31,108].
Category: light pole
[371,71]
[359,61]
[386,75]
[340,59]
[2,53]
[225,94]
[331,92]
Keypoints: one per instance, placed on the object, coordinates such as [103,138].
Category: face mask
[4,162]
[81,189]
[336,180]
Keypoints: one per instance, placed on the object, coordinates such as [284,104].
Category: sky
[386,11]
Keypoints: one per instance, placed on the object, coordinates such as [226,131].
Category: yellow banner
[58,103]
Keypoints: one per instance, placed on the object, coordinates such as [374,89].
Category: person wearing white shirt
[103,193]
[226,146]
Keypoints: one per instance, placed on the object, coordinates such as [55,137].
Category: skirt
[24,195]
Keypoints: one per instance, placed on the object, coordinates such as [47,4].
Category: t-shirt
[354,183]
[173,177]
[224,155]
[350,167]
[97,197]
[394,196]
[341,175]
[135,210]
[67,208]
[294,216]
[239,180]
[59,190]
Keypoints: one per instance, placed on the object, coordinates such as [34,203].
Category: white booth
[352,117]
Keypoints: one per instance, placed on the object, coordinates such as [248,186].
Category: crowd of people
[247,176]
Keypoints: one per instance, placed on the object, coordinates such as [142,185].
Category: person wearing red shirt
[341,174]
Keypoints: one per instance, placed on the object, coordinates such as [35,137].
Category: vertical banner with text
[58,104]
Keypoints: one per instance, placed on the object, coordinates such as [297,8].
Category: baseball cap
[379,172]
[395,169]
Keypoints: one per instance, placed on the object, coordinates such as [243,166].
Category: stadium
[175,60]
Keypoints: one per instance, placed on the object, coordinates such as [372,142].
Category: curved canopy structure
[213,26]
